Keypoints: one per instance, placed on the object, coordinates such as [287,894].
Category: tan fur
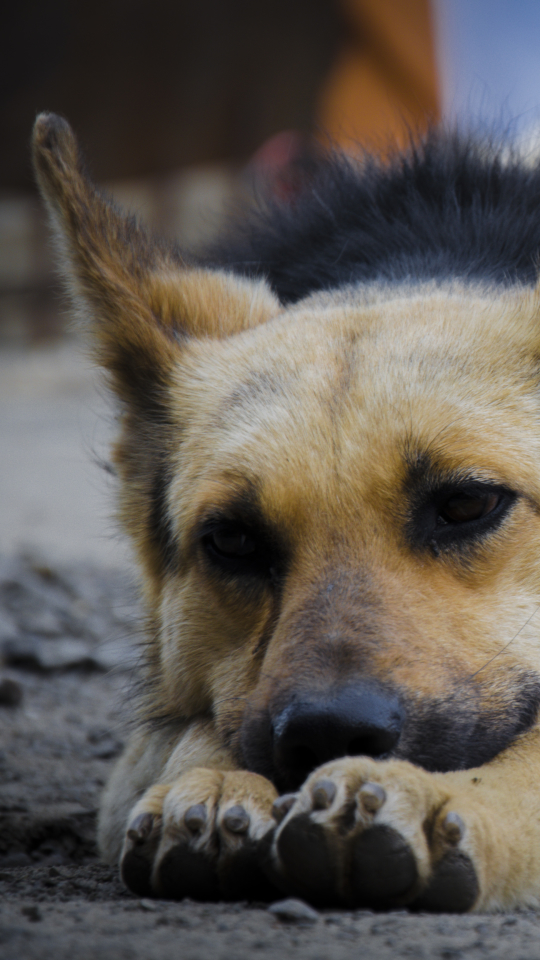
[320,408]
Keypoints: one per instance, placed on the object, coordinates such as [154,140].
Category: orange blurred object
[384,83]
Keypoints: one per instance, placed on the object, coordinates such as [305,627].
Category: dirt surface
[69,632]
[70,653]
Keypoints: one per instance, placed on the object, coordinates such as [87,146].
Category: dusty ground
[68,643]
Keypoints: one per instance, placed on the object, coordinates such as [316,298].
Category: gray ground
[68,642]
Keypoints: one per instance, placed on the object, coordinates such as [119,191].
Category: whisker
[502,650]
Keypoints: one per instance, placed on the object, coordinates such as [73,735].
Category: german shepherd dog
[329,468]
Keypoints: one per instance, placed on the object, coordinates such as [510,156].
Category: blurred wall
[384,81]
[152,85]
[170,99]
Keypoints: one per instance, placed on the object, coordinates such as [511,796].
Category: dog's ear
[141,298]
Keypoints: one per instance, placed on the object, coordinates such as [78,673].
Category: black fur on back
[450,207]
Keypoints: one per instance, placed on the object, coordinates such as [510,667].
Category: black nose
[357,720]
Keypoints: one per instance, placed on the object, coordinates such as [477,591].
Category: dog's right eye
[235,550]
[241,550]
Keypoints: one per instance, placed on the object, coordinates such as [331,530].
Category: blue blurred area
[489,55]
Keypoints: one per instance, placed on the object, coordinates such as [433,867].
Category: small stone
[11,693]
[148,905]
[105,750]
[16,859]
[66,654]
[116,654]
[44,656]
[20,652]
[293,911]
[8,627]
[32,913]
[44,623]
[103,743]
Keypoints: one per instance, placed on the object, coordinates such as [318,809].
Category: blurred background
[183,107]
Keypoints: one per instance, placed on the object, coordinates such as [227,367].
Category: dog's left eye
[231,542]
[455,515]
[464,509]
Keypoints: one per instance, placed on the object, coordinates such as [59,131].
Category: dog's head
[335,505]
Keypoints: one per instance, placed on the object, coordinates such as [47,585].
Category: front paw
[203,837]
[371,833]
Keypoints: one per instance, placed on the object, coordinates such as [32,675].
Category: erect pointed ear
[140,296]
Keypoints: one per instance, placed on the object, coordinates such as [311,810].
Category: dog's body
[332,482]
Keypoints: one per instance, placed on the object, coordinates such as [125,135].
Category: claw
[324,792]
[236,819]
[195,818]
[282,805]
[141,828]
[453,828]
[372,797]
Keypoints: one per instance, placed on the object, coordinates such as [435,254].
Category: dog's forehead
[383,350]
[334,387]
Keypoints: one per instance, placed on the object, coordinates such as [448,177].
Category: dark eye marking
[160,525]
[456,514]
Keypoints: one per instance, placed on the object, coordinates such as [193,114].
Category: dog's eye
[232,542]
[455,516]
[241,551]
[464,509]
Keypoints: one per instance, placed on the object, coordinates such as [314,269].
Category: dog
[329,469]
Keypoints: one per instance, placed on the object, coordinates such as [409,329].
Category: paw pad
[308,859]
[454,886]
[383,868]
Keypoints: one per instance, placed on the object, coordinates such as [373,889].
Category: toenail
[140,829]
[453,828]
[323,793]
[195,817]
[282,805]
[372,797]
[236,819]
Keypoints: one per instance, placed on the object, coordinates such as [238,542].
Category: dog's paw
[204,836]
[374,833]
